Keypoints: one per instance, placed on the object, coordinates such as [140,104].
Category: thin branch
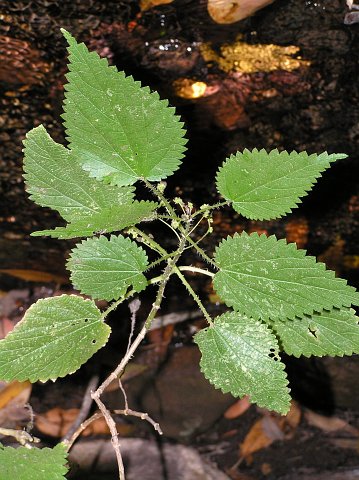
[170,227]
[194,296]
[201,252]
[162,199]
[128,295]
[208,208]
[114,435]
[81,428]
[85,408]
[22,436]
[142,416]
[149,241]
[185,268]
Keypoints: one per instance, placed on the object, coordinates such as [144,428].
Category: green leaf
[334,333]
[263,277]
[33,464]
[54,179]
[116,128]
[106,268]
[55,337]
[240,356]
[264,186]
[108,220]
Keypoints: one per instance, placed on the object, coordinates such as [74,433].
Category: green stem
[128,295]
[185,268]
[149,241]
[171,265]
[194,295]
[208,208]
[162,199]
[201,252]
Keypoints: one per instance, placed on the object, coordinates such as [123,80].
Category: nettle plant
[120,133]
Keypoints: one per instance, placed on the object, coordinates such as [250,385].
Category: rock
[181,399]
[352,474]
[325,383]
[143,459]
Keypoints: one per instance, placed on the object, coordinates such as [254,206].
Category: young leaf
[55,337]
[334,333]
[33,464]
[263,277]
[108,220]
[105,269]
[240,356]
[264,186]
[117,129]
[54,179]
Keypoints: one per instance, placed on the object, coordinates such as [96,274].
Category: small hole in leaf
[86,320]
[94,341]
[273,354]
[312,332]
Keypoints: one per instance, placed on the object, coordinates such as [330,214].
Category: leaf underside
[334,333]
[240,356]
[266,185]
[266,278]
[33,464]
[106,268]
[55,179]
[56,336]
[119,130]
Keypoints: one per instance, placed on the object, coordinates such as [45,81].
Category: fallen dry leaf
[57,421]
[269,428]
[147,4]
[14,398]
[347,443]
[329,424]
[238,408]
[36,276]
[12,390]
[230,11]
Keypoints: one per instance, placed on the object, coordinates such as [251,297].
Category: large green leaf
[106,221]
[334,333]
[55,337]
[33,464]
[265,185]
[106,268]
[240,356]
[54,179]
[263,277]
[118,129]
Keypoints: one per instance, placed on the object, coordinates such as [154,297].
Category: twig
[142,416]
[171,264]
[81,428]
[85,408]
[22,436]
[114,435]
[194,296]
[195,269]
[123,393]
